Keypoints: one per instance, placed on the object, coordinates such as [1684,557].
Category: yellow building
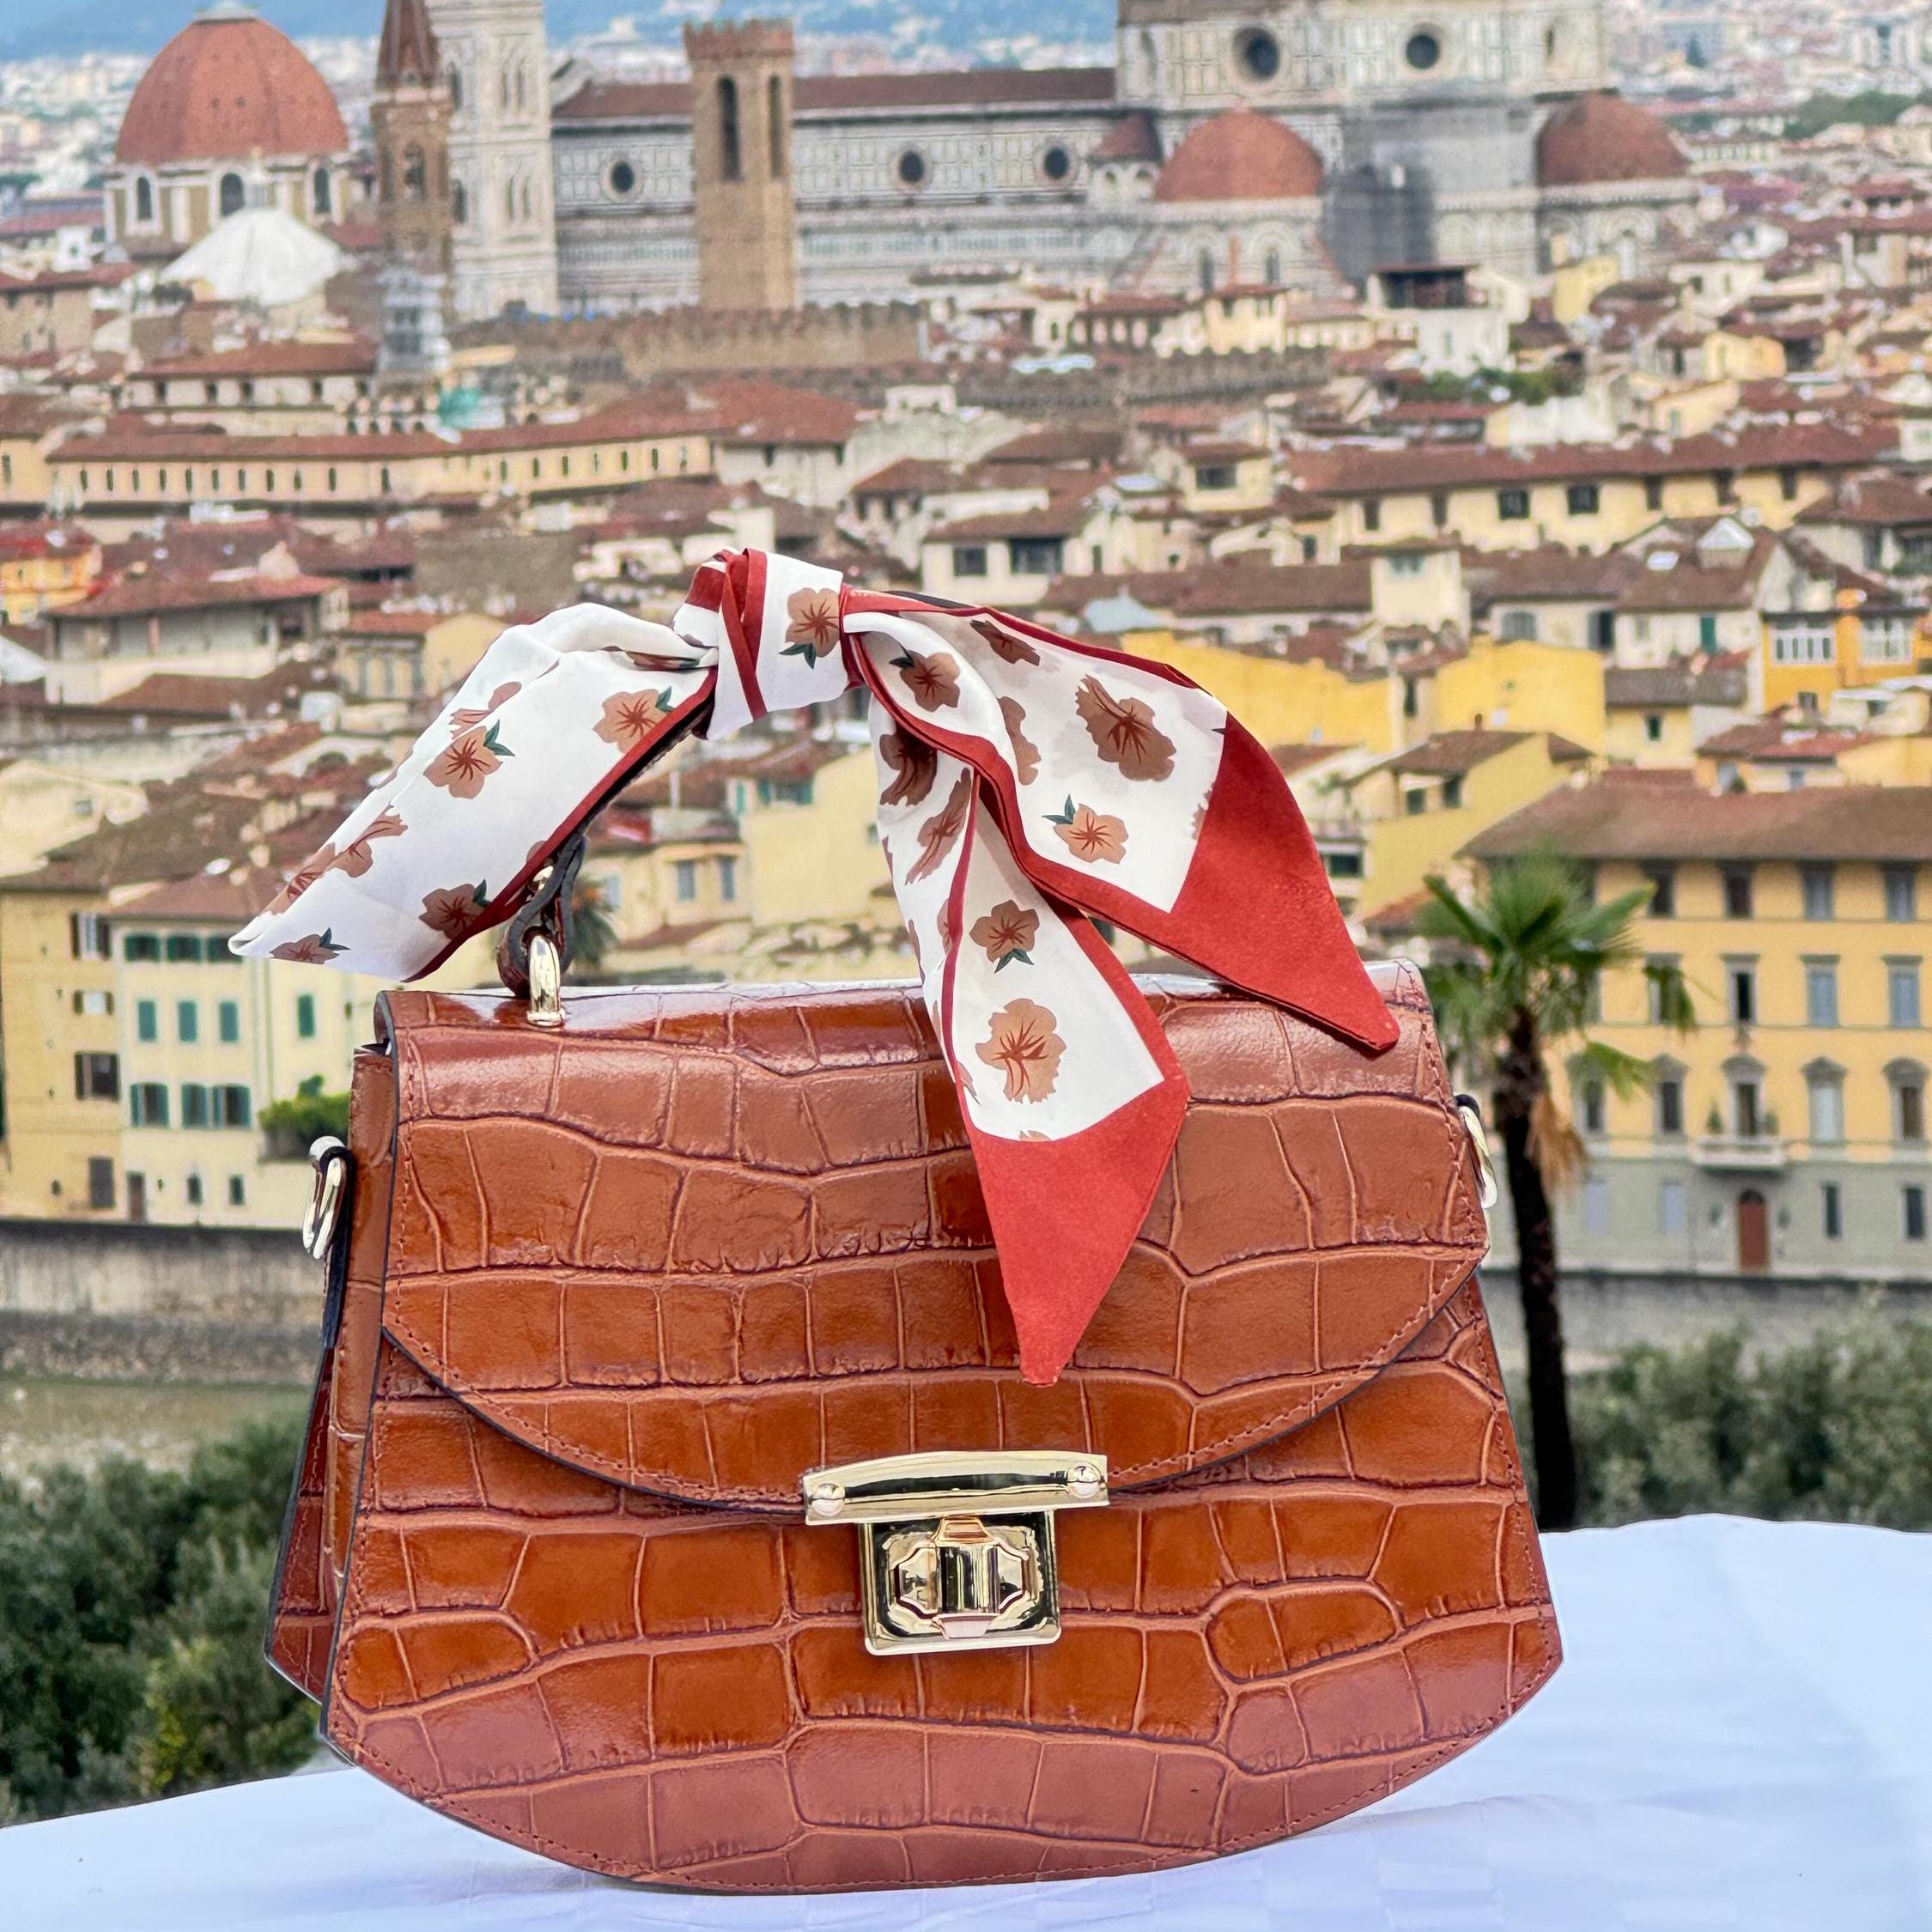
[1787,1133]
[43,806]
[1419,807]
[43,567]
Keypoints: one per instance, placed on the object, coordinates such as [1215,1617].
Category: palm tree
[593,932]
[1516,982]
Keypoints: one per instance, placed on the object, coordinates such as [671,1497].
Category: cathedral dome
[228,86]
[1603,137]
[1241,156]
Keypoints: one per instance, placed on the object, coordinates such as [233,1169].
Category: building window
[1668,1096]
[1816,881]
[1582,499]
[1422,51]
[1036,557]
[1743,985]
[460,214]
[191,1190]
[1901,992]
[1258,54]
[147,1104]
[621,179]
[1747,1109]
[1438,510]
[1653,493]
[187,1022]
[232,194]
[969,560]
[774,126]
[1653,727]
[1901,893]
[1826,1094]
[93,1001]
[227,1023]
[238,1191]
[141,947]
[415,173]
[1371,514]
[1737,892]
[232,1107]
[1663,891]
[1672,1216]
[147,1021]
[1597,1205]
[727,879]
[684,874]
[1821,993]
[97,1077]
[1914,1203]
[911,169]
[1832,1204]
[181,947]
[143,199]
[305,1016]
[1519,627]
[322,193]
[1592,1106]
[194,1104]
[1908,1106]
[1512,505]
[1214,476]
[88,937]
[101,1182]
[1415,801]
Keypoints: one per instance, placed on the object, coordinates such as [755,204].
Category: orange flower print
[940,833]
[314,949]
[812,629]
[630,717]
[1026,753]
[1007,647]
[467,719]
[1123,732]
[1099,837]
[457,911]
[356,857]
[1007,932]
[469,761]
[932,678]
[916,764]
[1023,1046]
[304,876]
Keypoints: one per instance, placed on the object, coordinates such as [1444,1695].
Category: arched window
[415,173]
[231,194]
[774,124]
[1270,269]
[144,198]
[523,86]
[1207,272]
[524,200]
[322,193]
[730,161]
[510,200]
[456,88]
[459,203]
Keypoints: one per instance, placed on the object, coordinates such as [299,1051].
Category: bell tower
[409,118]
[741,141]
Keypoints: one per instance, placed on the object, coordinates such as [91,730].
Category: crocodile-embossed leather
[641,1273]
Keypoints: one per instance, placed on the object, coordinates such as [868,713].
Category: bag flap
[700,1241]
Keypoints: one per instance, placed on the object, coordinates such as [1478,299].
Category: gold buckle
[957,1553]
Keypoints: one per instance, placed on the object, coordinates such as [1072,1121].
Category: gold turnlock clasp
[957,1553]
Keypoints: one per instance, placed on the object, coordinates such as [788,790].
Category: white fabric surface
[1740,1737]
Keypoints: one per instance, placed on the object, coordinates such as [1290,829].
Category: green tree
[306,1116]
[1516,980]
[593,932]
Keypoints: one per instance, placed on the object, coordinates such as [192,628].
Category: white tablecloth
[1740,1737]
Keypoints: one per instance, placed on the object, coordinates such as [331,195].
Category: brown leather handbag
[673,1504]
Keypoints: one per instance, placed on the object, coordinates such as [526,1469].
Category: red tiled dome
[1603,137]
[226,86]
[1241,156]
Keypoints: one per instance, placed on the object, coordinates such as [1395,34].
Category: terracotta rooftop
[228,86]
[143,595]
[1241,156]
[1450,753]
[1603,137]
[1606,821]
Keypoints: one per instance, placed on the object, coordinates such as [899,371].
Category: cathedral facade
[1306,141]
